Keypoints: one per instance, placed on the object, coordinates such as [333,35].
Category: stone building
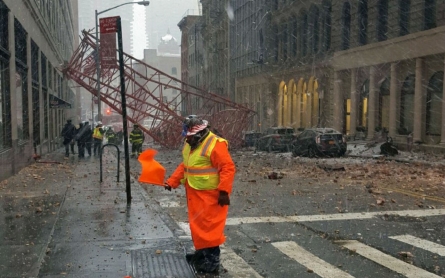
[36,37]
[372,64]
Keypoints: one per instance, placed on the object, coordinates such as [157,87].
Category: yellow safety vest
[97,134]
[198,168]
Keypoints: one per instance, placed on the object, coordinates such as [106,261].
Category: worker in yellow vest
[207,171]
[98,135]
[136,140]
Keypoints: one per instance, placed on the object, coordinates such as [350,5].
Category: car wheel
[311,152]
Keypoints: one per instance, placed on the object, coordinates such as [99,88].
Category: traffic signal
[108,111]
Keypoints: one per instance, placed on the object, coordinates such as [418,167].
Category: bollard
[118,159]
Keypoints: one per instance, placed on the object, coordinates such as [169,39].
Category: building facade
[37,36]
[352,65]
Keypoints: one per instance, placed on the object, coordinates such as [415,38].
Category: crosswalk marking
[337,216]
[236,266]
[386,260]
[421,243]
[320,267]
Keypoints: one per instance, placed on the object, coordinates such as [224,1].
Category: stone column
[354,103]
[393,98]
[442,137]
[290,96]
[280,107]
[418,101]
[338,117]
[372,103]
[295,111]
[309,106]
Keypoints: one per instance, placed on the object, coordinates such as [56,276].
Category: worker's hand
[167,187]
[223,198]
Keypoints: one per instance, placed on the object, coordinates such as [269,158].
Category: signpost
[108,29]
[111,25]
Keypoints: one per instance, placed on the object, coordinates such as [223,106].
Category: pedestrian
[87,137]
[207,172]
[111,136]
[80,144]
[98,135]
[68,135]
[136,139]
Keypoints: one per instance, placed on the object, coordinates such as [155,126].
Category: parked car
[276,139]
[250,138]
[319,142]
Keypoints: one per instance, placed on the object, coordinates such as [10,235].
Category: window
[5,106]
[4,26]
[363,105]
[277,43]
[407,105]
[382,20]
[284,41]
[21,90]
[363,22]
[35,92]
[429,14]
[174,71]
[304,33]
[404,9]
[314,28]
[346,25]
[327,9]
[294,36]
[434,104]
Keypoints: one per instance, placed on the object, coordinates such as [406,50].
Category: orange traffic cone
[152,171]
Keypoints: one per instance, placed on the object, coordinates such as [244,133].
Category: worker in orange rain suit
[208,172]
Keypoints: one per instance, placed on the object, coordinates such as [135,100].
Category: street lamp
[99,115]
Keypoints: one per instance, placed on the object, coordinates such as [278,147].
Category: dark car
[319,142]
[276,139]
[250,138]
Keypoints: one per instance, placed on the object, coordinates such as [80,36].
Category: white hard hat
[99,122]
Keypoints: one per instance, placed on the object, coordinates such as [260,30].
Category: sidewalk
[59,221]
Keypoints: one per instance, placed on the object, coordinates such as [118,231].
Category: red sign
[108,50]
[108,24]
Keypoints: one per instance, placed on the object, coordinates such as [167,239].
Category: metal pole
[124,110]
[99,114]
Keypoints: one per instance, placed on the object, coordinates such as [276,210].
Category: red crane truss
[145,88]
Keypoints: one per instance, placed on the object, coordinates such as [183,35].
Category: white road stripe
[236,266]
[168,203]
[421,243]
[320,267]
[337,216]
[185,227]
[386,260]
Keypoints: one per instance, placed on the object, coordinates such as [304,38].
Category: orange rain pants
[207,219]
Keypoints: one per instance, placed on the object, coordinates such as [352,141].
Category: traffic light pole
[124,110]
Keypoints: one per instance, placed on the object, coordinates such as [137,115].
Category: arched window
[434,104]
[304,33]
[314,33]
[363,105]
[382,21]
[327,9]
[346,25]
[407,106]
[404,10]
[294,36]
[363,22]
[429,14]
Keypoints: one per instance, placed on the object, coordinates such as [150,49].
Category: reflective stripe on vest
[198,169]
[97,133]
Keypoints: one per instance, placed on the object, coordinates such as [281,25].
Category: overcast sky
[162,15]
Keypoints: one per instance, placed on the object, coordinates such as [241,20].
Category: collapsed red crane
[146,88]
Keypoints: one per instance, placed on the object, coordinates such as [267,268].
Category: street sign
[108,29]
[108,24]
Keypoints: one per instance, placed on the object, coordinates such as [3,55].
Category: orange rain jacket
[207,218]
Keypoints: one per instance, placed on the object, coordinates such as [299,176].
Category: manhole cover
[169,264]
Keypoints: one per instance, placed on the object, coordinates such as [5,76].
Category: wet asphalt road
[254,195]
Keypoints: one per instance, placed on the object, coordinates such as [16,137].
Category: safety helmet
[192,125]
[99,122]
